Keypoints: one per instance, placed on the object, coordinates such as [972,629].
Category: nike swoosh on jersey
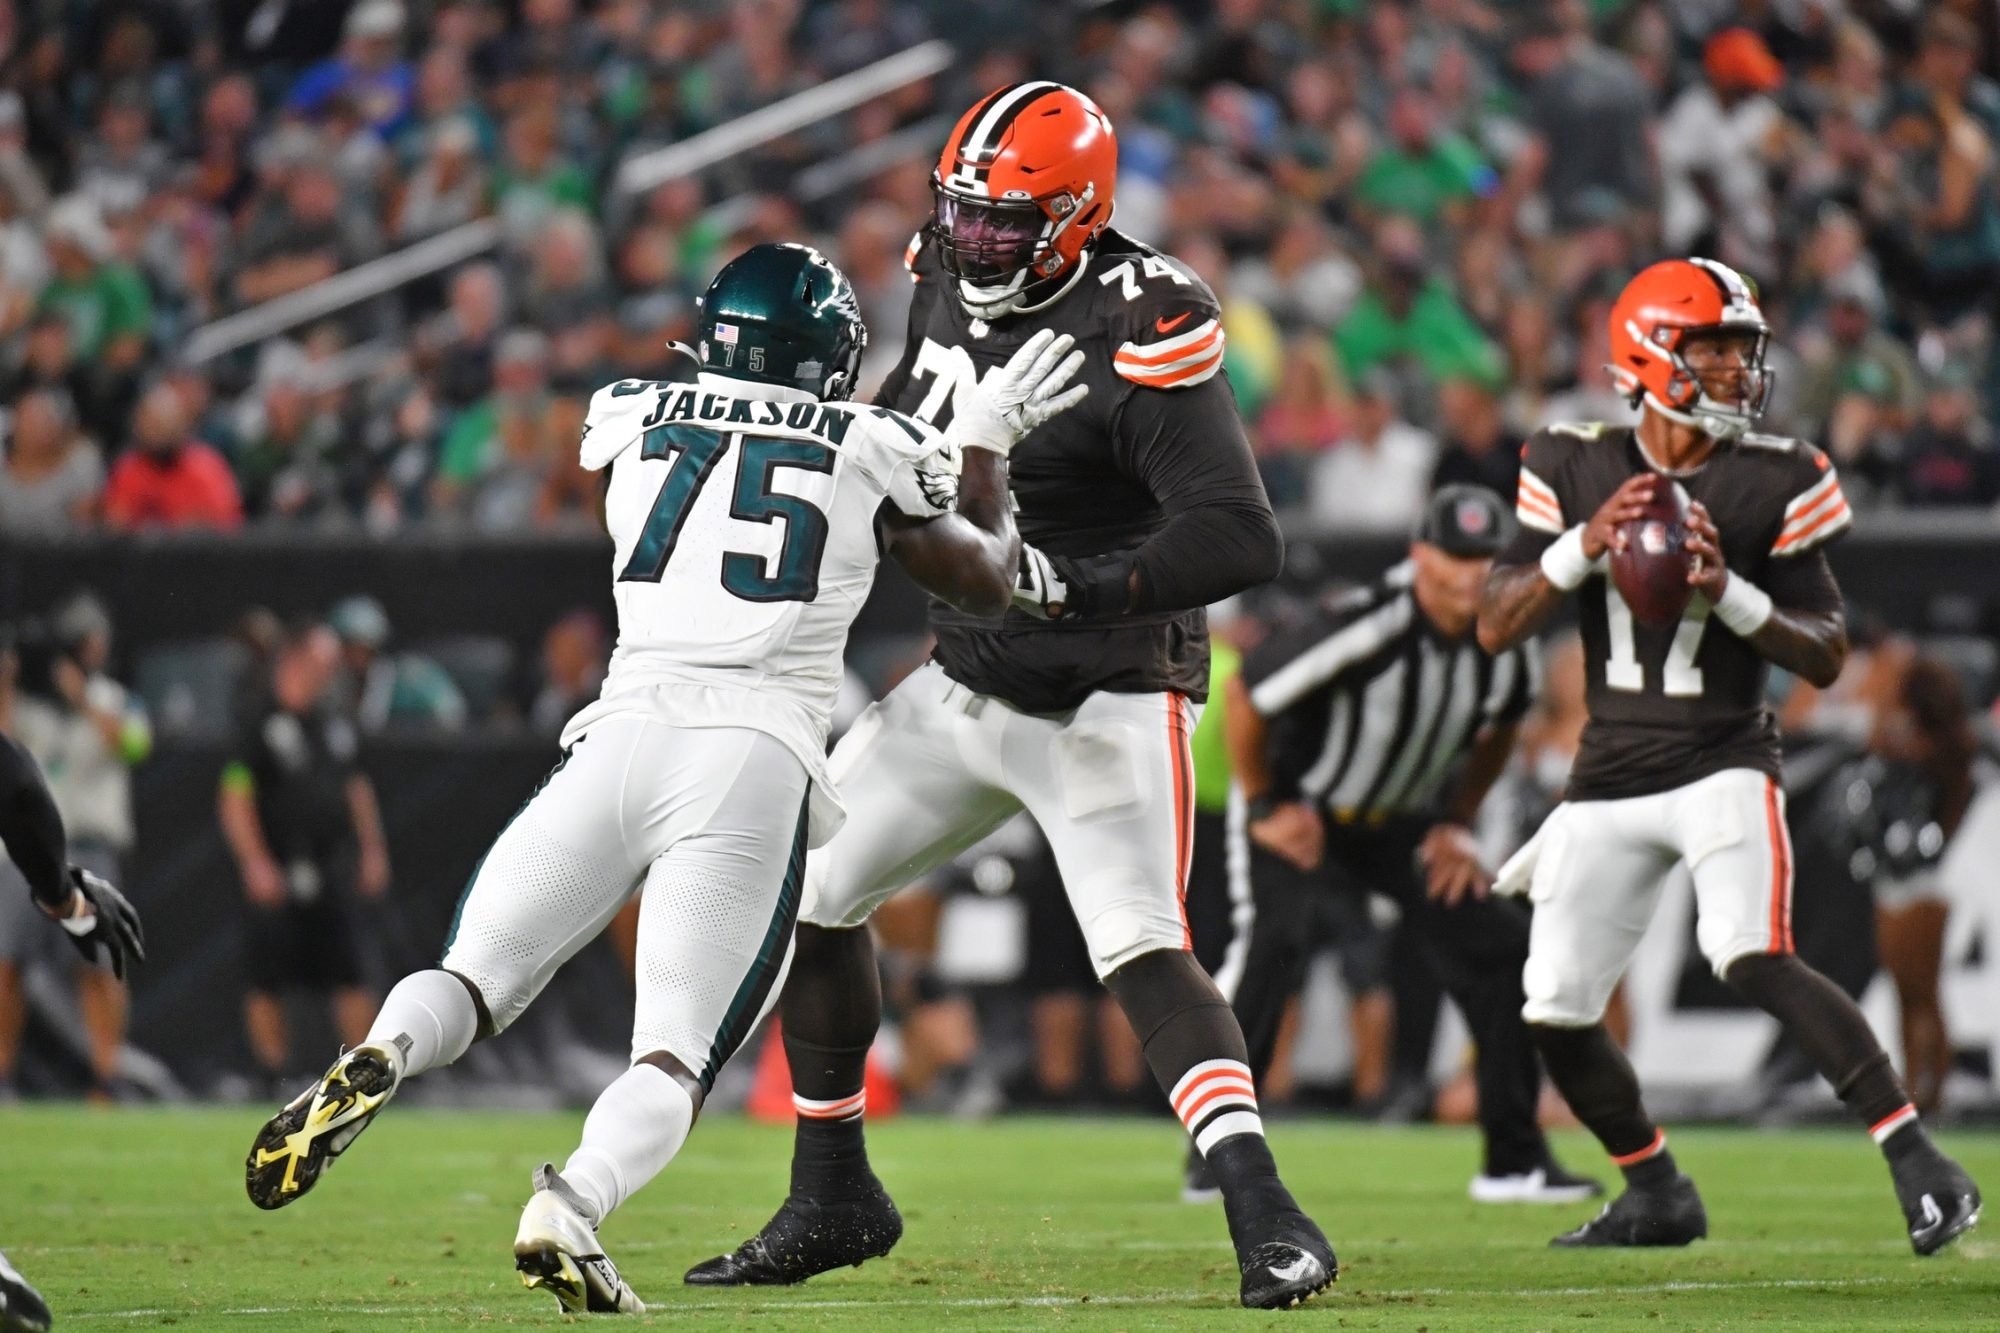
[1169,325]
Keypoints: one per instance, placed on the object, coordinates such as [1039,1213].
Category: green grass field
[135,1218]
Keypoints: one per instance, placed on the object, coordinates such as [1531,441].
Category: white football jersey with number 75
[743,522]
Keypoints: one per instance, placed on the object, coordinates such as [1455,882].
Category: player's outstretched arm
[1522,592]
[972,557]
[31,829]
[102,925]
[1798,623]
[968,558]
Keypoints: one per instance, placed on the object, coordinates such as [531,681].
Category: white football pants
[1602,864]
[709,820]
[935,767]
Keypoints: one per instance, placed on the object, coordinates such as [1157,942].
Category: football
[1651,570]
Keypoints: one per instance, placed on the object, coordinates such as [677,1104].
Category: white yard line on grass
[762,1305]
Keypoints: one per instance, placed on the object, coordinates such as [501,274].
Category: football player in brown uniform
[1137,511]
[1680,757]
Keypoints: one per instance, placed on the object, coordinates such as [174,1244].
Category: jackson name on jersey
[1673,704]
[742,518]
[1100,478]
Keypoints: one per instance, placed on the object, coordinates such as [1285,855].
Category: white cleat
[557,1250]
[1538,1186]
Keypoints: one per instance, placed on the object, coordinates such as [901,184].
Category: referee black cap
[1468,522]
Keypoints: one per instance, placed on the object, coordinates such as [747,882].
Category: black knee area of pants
[830,1010]
[1177,1013]
[1827,1025]
[1597,1081]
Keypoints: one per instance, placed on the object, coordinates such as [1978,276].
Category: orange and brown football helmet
[1655,315]
[1023,186]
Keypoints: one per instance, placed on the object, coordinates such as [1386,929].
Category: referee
[1362,742]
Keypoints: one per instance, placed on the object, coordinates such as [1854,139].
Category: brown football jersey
[1159,435]
[1672,704]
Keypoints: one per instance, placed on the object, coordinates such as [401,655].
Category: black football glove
[109,931]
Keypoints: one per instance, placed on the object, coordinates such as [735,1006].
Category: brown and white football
[1651,571]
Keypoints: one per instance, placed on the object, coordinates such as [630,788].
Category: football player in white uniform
[748,511]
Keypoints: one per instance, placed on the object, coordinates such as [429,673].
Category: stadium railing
[636,175]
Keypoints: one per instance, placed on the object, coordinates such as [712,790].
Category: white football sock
[430,1017]
[633,1131]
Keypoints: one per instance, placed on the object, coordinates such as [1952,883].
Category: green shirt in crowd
[1211,751]
[1435,332]
[107,303]
[1395,182]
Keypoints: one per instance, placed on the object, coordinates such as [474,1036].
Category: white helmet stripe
[983,139]
[1739,303]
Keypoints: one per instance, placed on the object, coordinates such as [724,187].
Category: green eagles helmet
[783,314]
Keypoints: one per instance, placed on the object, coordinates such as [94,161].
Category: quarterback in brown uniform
[1679,761]
[1140,509]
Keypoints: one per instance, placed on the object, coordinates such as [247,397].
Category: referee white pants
[709,820]
[1601,866]
[935,767]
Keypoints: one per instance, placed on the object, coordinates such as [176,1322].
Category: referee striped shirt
[1368,706]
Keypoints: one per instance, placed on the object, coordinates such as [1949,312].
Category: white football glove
[1039,588]
[1019,396]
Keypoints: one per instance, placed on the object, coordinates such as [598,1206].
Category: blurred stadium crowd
[1415,213]
[1416,216]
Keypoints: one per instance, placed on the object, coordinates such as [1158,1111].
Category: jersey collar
[1661,468]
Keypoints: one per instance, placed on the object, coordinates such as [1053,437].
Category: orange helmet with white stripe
[1024,184]
[1656,315]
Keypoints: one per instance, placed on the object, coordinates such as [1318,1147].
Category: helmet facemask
[1687,399]
[998,248]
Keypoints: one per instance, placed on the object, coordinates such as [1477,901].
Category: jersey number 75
[696,453]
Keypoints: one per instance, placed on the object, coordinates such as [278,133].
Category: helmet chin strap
[1708,417]
[994,302]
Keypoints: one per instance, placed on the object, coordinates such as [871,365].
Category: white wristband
[966,433]
[1744,606]
[1564,564]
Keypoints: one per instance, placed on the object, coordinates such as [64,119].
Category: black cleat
[1198,1182]
[318,1125]
[1939,1200]
[1669,1215]
[806,1238]
[1290,1265]
[22,1309]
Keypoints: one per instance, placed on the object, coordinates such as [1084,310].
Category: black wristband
[1263,807]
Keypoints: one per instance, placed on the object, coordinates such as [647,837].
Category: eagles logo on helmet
[1024,185]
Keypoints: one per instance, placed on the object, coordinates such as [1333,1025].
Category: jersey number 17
[696,453]
[1680,678]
